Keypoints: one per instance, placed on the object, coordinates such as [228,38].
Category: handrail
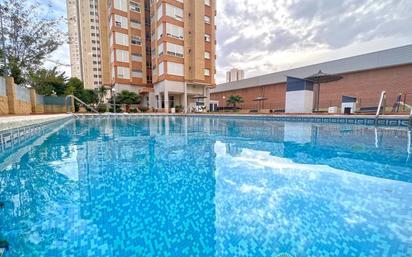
[382,99]
[85,104]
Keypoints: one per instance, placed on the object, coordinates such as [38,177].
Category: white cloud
[262,36]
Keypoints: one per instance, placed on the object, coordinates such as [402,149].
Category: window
[175,68]
[207,55]
[120,21]
[122,56]
[137,74]
[207,72]
[135,24]
[160,31]
[160,12]
[207,2]
[136,57]
[207,37]
[121,39]
[174,31]
[207,19]
[136,40]
[161,68]
[120,5]
[123,72]
[174,12]
[175,50]
[160,50]
[135,6]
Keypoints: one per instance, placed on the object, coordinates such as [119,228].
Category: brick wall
[365,85]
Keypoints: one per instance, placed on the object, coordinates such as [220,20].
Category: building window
[160,31]
[160,50]
[174,31]
[175,69]
[136,40]
[135,6]
[161,68]
[135,24]
[122,56]
[174,12]
[120,21]
[123,72]
[137,74]
[207,19]
[160,12]
[120,5]
[207,2]
[207,72]
[207,55]
[175,50]
[207,38]
[121,39]
[136,57]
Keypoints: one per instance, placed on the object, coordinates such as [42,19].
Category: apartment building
[234,75]
[85,42]
[161,49]
[183,52]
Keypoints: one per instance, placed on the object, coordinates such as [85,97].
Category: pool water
[198,186]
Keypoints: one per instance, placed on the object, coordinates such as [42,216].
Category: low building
[364,78]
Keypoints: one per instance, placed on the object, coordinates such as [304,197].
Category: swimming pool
[203,186]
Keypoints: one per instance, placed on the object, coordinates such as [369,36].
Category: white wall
[299,101]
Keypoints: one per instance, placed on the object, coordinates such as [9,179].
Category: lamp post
[6,71]
[114,99]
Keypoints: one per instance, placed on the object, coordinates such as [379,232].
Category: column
[185,107]
[33,100]
[11,94]
[166,101]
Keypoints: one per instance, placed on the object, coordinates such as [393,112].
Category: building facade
[183,52]
[161,49]
[364,77]
[234,75]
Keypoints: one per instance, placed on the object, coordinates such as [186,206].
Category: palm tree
[128,98]
[101,93]
[234,100]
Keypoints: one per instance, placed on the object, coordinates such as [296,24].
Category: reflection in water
[172,186]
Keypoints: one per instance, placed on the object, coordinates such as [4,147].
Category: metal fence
[39,99]
[53,100]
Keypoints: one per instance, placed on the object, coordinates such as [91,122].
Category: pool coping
[14,122]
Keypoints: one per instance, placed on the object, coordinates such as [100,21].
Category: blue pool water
[197,186]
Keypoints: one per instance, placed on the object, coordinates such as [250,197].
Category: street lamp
[114,99]
[6,71]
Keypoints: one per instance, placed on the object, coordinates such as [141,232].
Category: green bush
[133,110]
[143,109]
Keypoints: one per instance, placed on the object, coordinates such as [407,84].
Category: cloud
[263,36]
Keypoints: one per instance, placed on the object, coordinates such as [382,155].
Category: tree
[101,93]
[31,32]
[234,100]
[49,82]
[128,98]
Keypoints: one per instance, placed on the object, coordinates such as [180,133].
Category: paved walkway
[9,122]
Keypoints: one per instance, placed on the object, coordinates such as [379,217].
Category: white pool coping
[11,122]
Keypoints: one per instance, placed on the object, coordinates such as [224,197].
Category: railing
[80,101]
[382,103]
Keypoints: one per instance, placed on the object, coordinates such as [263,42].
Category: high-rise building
[162,49]
[85,41]
[183,47]
[235,75]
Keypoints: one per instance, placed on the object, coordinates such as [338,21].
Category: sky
[265,36]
